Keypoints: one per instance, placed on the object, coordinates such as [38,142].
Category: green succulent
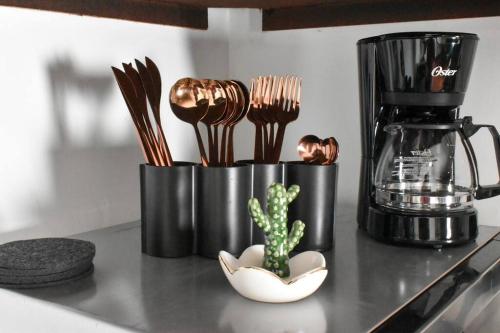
[279,243]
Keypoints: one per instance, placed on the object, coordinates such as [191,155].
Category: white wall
[327,61]
[69,157]
[69,154]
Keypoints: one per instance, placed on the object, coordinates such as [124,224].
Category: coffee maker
[411,88]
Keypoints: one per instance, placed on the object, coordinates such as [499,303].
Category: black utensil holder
[222,221]
[315,204]
[263,176]
[167,210]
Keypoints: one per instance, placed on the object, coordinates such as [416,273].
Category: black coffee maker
[411,88]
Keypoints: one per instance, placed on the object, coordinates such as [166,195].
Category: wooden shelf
[257,4]
[276,14]
[356,12]
[149,11]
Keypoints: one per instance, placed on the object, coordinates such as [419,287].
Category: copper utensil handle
[223,146]
[230,147]
[154,144]
[164,146]
[150,148]
[201,147]
[211,153]
[145,153]
[270,149]
[258,149]
[216,145]
[279,142]
[265,136]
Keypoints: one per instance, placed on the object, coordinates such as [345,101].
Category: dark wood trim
[298,15]
[261,4]
[375,11]
[256,4]
[158,12]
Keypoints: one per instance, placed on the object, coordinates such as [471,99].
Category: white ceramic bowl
[246,275]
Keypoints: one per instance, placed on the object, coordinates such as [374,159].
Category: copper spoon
[241,111]
[222,120]
[216,110]
[189,103]
[232,106]
[313,150]
[334,150]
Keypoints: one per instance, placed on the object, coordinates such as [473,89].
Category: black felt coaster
[88,272]
[34,279]
[44,256]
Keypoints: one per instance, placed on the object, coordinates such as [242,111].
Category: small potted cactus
[279,243]
[264,272]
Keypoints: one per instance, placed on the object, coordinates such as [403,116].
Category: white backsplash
[70,159]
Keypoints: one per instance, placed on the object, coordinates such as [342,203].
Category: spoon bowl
[217,103]
[189,103]
[313,150]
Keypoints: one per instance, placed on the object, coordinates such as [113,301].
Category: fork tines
[273,100]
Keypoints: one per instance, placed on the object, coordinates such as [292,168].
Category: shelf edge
[376,11]
[131,10]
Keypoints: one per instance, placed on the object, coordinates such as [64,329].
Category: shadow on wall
[95,87]
[210,60]
[93,171]
[329,89]
[209,55]
[94,183]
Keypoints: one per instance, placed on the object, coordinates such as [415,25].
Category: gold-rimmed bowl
[249,279]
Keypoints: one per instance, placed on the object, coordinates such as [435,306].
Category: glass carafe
[416,168]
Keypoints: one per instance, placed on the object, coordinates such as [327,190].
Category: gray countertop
[366,283]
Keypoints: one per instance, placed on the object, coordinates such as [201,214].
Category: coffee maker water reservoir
[411,88]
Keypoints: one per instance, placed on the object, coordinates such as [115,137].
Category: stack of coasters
[44,262]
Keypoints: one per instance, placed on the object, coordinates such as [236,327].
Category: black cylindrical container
[167,210]
[315,205]
[263,176]
[222,221]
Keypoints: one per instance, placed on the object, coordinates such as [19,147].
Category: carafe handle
[468,129]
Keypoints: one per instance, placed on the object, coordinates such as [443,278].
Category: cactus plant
[278,242]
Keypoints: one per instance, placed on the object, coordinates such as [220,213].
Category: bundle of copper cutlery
[273,100]
[138,87]
[214,103]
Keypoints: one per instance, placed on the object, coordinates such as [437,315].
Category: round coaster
[44,256]
[48,284]
[35,279]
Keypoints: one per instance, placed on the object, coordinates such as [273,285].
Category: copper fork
[257,91]
[286,107]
